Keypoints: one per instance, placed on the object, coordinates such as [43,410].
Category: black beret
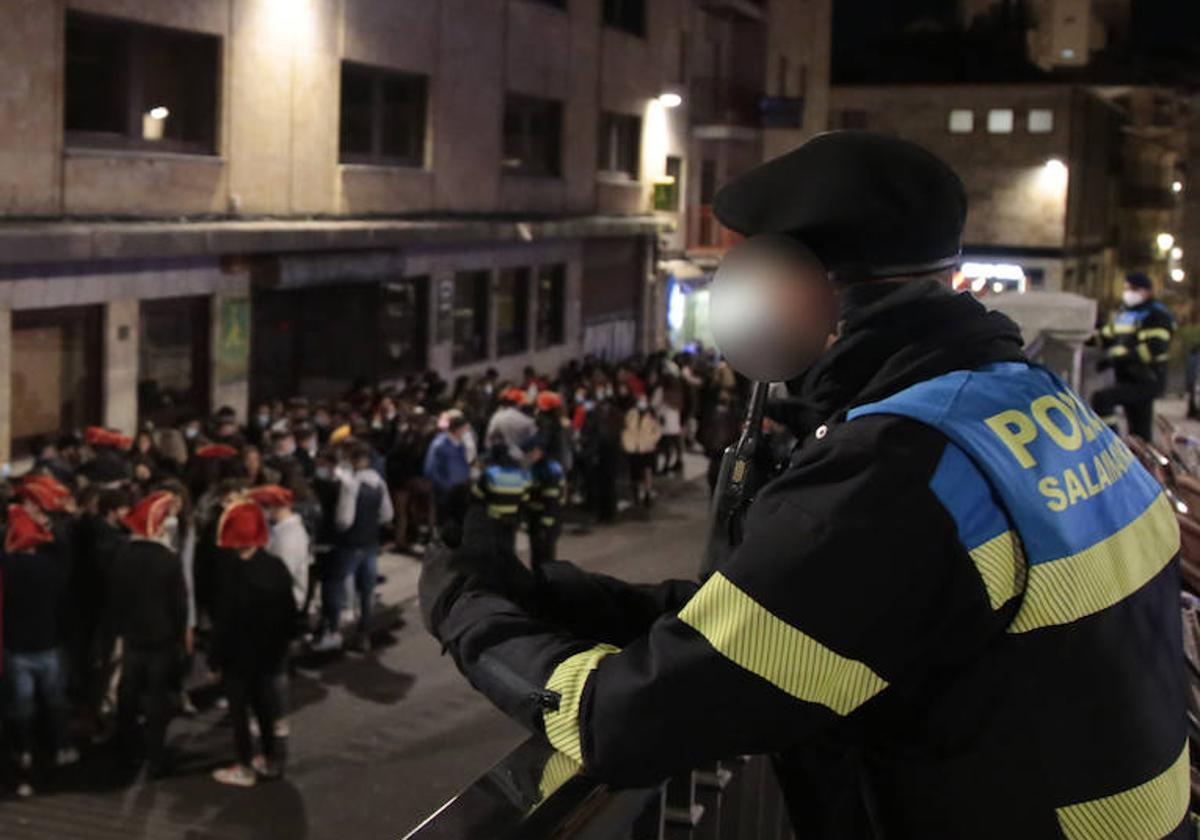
[868,205]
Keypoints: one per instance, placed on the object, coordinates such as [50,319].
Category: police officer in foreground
[1136,346]
[955,613]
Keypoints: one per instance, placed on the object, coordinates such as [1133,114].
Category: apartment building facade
[209,202]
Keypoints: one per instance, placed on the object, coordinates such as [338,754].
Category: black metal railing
[537,793]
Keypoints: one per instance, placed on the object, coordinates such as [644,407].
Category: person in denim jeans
[364,506]
[35,580]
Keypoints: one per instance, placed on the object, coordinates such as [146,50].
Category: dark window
[129,85]
[56,368]
[551,305]
[403,330]
[620,143]
[532,136]
[173,360]
[470,317]
[383,116]
[627,15]
[512,311]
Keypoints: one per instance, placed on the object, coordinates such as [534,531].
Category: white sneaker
[327,642]
[283,729]
[66,757]
[238,775]
[24,790]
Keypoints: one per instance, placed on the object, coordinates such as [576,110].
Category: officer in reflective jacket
[955,614]
[1137,343]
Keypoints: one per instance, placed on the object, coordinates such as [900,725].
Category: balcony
[1147,197]
[535,793]
[705,235]
[726,102]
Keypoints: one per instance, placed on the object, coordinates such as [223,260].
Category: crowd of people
[219,547]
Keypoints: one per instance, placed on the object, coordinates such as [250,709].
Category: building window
[512,311]
[620,145]
[1000,121]
[532,136]
[1040,121]
[56,372]
[551,306]
[470,316]
[666,189]
[853,119]
[128,85]
[383,116]
[403,328]
[173,359]
[626,15]
[962,121]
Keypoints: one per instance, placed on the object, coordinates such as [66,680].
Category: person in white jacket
[289,538]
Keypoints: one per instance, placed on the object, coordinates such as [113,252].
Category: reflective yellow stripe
[1155,332]
[1001,564]
[1067,589]
[1118,350]
[1106,330]
[550,493]
[506,491]
[1143,352]
[548,521]
[560,768]
[502,510]
[1149,811]
[1162,357]
[568,680]
[751,637]
[1124,329]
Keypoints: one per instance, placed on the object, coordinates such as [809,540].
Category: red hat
[513,395]
[24,533]
[147,517]
[44,491]
[99,438]
[548,401]
[243,525]
[271,495]
[216,450]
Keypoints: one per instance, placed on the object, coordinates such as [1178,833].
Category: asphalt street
[378,741]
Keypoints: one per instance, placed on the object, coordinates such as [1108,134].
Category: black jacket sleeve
[839,593]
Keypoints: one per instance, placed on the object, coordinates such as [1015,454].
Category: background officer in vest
[1137,343]
[954,615]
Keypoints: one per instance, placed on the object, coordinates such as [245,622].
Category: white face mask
[1132,298]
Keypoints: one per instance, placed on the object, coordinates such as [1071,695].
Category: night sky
[921,40]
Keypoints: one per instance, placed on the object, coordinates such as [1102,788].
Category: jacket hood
[894,335]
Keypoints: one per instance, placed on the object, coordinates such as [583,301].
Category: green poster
[233,346]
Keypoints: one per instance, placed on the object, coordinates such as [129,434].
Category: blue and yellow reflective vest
[1056,511]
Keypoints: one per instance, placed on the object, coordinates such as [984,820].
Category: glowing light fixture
[1176,253]
[1177,274]
[1054,175]
[1165,242]
[1177,187]
[670,100]
[160,112]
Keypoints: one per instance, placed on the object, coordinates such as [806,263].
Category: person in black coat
[254,625]
[148,610]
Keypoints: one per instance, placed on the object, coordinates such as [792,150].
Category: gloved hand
[481,563]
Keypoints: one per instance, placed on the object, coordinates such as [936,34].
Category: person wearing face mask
[1137,344]
[956,612]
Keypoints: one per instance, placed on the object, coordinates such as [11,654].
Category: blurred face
[773,308]
[252,461]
